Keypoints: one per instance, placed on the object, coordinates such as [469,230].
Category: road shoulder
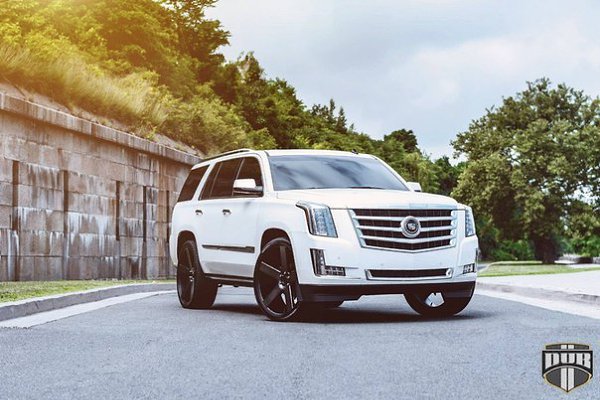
[22,308]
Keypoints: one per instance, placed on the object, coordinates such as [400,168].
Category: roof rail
[227,153]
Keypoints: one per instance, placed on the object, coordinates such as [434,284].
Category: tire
[429,305]
[194,289]
[276,283]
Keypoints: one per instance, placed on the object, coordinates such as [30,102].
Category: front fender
[282,215]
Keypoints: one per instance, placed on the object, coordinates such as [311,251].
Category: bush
[512,251]
[206,123]
[586,247]
[487,234]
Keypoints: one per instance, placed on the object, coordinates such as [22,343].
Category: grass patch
[11,291]
[530,262]
[530,268]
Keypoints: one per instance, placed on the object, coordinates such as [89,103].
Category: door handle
[226,211]
[199,212]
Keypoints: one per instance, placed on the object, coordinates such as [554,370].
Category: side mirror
[414,186]
[246,187]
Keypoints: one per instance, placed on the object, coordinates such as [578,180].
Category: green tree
[583,231]
[529,160]
[199,37]
[447,175]
[406,137]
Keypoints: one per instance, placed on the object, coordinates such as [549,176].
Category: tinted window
[191,183]
[251,170]
[331,172]
[210,181]
[223,179]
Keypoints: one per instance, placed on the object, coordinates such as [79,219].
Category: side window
[191,183]
[250,169]
[223,180]
[210,181]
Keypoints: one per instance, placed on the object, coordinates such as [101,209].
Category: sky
[432,66]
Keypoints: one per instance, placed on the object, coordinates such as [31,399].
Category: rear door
[184,211]
[210,211]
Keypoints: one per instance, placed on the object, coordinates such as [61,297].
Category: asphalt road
[373,348]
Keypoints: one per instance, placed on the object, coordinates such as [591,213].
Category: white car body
[229,233]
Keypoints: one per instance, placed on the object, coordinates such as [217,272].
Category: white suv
[312,228]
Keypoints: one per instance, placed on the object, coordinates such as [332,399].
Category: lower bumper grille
[408,273]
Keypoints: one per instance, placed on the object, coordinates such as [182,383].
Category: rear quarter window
[191,183]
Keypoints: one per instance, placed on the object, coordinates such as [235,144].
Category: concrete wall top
[50,116]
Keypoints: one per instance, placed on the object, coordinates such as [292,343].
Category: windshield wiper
[366,187]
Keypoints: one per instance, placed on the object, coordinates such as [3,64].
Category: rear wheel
[436,304]
[194,289]
[276,283]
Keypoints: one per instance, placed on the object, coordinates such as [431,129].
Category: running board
[231,280]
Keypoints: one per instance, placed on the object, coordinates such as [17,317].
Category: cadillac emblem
[411,228]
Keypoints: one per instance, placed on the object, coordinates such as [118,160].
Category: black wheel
[193,288]
[275,281]
[435,304]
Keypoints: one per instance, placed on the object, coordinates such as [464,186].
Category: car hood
[369,198]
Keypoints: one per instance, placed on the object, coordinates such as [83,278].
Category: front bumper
[316,293]
[360,263]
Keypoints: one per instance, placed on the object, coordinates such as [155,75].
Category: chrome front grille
[381,228]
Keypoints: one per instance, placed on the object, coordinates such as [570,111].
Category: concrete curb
[541,293]
[22,308]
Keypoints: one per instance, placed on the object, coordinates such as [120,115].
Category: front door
[229,221]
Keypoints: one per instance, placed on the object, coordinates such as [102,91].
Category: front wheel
[435,304]
[276,283]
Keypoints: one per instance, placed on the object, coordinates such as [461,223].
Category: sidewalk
[580,287]
[22,308]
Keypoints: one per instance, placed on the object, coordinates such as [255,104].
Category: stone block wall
[79,200]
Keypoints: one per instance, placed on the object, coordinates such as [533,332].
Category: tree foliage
[530,160]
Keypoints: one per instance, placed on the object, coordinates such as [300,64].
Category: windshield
[331,172]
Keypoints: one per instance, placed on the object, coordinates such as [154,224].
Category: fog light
[469,268]
[321,268]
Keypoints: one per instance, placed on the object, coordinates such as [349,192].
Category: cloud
[429,66]
[442,76]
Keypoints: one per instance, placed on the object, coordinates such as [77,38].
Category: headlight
[319,219]
[469,222]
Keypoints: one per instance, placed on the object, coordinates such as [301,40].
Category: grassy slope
[11,291]
[72,81]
